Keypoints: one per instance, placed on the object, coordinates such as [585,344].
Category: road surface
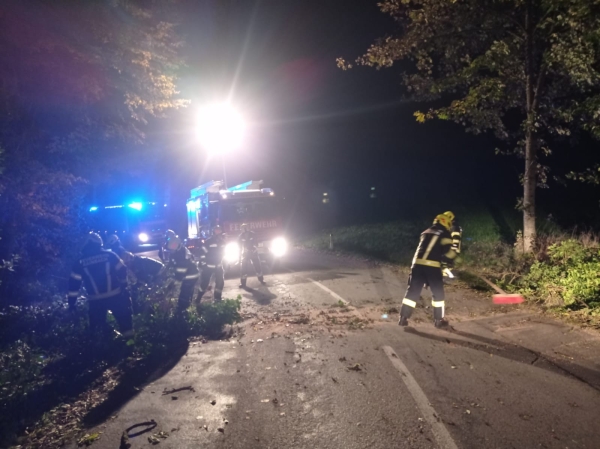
[315,365]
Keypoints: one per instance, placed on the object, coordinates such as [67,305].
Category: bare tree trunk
[529,185]
[530,175]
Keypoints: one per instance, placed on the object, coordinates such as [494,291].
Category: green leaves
[568,278]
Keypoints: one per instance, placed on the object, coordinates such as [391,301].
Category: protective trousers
[187,291]
[251,258]
[421,275]
[119,305]
[207,272]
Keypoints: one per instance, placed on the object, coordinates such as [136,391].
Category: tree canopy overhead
[526,70]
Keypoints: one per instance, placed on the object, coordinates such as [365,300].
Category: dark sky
[313,126]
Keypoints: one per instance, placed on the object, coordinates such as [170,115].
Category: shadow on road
[516,353]
[129,384]
[261,296]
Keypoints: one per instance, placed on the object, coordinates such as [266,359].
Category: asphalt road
[315,365]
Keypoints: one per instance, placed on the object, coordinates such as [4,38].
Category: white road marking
[328,290]
[429,414]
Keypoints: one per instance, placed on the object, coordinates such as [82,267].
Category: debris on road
[88,439]
[265,400]
[221,429]
[260,340]
[157,437]
[355,367]
[213,402]
[125,444]
[385,316]
[174,398]
[175,390]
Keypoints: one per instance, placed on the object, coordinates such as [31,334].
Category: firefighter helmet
[173,243]
[169,233]
[93,239]
[244,227]
[450,215]
[445,220]
[217,230]
[112,240]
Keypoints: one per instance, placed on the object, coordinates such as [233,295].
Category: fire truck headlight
[143,237]
[279,247]
[232,252]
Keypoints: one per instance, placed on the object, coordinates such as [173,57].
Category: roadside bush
[568,277]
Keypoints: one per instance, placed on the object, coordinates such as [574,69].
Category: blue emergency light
[136,206]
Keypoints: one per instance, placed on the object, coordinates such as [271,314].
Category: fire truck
[212,204]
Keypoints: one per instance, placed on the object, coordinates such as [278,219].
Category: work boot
[403,321]
[441,324]
[261,279]
[242,283]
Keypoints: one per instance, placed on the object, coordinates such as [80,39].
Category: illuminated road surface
[315,365]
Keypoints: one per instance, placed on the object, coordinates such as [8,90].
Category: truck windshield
[248,210]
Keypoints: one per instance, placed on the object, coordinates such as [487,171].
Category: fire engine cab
[212,204]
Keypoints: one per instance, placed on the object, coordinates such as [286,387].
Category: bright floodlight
[220,128]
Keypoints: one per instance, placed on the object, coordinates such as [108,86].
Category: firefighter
[163,252]
[434,248]
[113,243]
[249,255]
[213,251]
[104,277]
[186,270]
[456,235]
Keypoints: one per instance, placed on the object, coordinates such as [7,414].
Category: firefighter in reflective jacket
[249,255]
[456,235]
[104,277]
[434,248]
[213,251]
[186,270]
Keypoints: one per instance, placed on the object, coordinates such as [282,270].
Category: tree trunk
[530,175]
[529,184]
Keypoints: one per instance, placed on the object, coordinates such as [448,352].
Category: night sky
[314,127]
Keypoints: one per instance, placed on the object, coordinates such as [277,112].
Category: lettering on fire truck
[253,225]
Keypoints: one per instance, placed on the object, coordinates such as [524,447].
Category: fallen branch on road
[175,390]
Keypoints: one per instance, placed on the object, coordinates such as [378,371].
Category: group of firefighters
[103,272]
[103,267]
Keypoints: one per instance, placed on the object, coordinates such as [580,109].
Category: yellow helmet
[445,220]
[450,215]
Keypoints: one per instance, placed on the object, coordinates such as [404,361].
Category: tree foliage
[79,82]
[525,70]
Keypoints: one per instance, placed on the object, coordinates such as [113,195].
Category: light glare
[220,128]
[232,252]
[279,247]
